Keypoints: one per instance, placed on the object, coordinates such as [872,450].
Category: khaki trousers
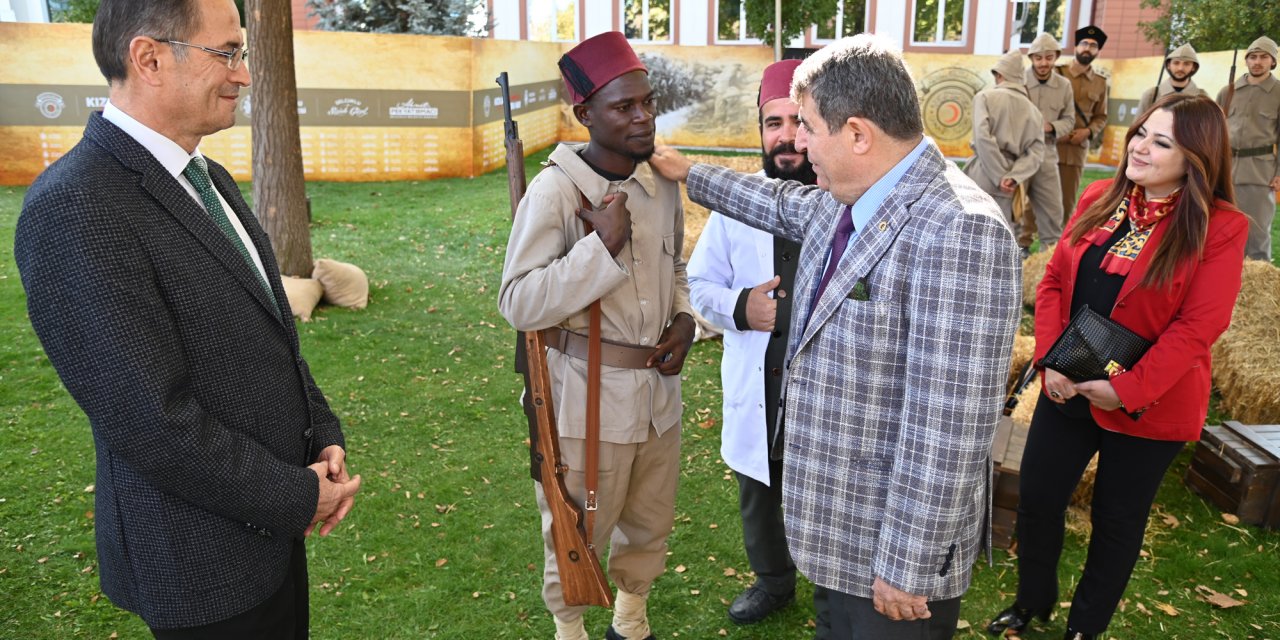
[1070,179]
[1044,190]
[636,510]
[1259,203]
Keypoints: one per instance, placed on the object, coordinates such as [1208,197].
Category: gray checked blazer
[203,412]
[894,385]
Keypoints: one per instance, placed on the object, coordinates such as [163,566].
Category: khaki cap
[1265,45]
[1010,66]
[1186,52]
[1045,42]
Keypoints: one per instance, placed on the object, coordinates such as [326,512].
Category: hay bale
[1078,511]
[1032,273]
[695,215]
[1244,357]
[1027,402]
[1024,348]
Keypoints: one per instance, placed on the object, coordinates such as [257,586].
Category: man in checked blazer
[907,301]
[157,298]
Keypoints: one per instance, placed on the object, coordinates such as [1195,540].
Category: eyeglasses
[234,57]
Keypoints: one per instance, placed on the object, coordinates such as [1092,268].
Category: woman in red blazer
[1159,249]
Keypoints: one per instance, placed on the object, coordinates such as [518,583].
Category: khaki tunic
[1008,140]
[1090,92]
[553,273]
[1054,99]
[1150,96]
[1254,123]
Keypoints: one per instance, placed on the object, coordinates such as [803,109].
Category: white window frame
[644,16]
[555,6]
[938,27]
[742,26]
[1044,5]
[813,29]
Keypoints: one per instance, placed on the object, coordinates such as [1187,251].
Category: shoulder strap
[592,470]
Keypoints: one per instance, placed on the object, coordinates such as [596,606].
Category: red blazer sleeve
[1205,313]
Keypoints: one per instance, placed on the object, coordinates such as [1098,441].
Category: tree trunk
[279,189]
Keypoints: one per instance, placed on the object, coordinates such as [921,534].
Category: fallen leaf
[1220,600]
[680,569]
[1167,608]
[1171,520]
[730,572]
[962,624]
[1242,593]
[441,562]
[1230,518]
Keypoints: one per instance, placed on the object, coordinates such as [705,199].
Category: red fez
[595,62]
[776,81]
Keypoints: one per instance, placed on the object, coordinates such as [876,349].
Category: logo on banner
[488,105]
[414,110]
[349,107]
[95,102]
[50,104]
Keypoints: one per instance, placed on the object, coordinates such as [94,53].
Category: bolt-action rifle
[1231,84]
[581,576]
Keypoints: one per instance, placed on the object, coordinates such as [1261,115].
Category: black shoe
[755,604]
[1072,634]
[613,635]
[1014,618]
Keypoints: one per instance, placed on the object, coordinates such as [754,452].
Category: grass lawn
[444,542]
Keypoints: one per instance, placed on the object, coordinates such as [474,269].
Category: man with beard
[1051,94]
[1008,140]
[1089,89]
[631,263]
[1179,65]
[907,297]
[1253,118]
[741,279]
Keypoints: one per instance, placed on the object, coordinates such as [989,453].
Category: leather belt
[622,356]
[1253,152]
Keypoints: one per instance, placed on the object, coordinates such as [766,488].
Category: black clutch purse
[1092,346]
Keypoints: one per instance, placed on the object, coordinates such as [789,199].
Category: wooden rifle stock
[581,576]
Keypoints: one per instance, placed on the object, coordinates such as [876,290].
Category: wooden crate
[1006,454]
[1237,468]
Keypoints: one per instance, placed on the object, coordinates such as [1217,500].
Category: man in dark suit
[907,297]
[157,298]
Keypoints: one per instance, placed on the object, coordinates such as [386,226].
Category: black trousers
[765,539]
[854,618]
[283,616]
[1130,469]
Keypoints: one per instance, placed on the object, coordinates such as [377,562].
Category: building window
[731,23]
[553,20]
[647,20]
[939,22]
[850,19]
[1033,17]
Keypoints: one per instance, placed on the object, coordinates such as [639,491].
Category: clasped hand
[1099,393]
[337,490]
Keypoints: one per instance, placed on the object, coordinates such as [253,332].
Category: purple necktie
[844,229]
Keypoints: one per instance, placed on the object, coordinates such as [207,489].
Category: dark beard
[1176,78]
[1085,58]
[803,173]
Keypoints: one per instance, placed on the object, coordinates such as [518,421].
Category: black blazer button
[307,434]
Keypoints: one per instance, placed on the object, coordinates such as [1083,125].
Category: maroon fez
[595,62]
[775,82]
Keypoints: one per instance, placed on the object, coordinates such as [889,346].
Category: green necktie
[198,174]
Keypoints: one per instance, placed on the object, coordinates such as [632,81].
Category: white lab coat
[730,257]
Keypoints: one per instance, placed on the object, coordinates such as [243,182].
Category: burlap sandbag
[304,294]
[345,284]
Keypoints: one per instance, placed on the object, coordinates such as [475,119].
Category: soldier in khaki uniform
[1179,66]
[1089,89]
[1051,94]
[1008,138]
[1253,116]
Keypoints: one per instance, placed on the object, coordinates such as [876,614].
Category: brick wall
[300,19]
[1120,18]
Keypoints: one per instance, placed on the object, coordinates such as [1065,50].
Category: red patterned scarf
[1143,216]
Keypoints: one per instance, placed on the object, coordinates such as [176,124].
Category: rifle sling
[592,470]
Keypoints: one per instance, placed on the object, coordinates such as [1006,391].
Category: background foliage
[1211,25]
